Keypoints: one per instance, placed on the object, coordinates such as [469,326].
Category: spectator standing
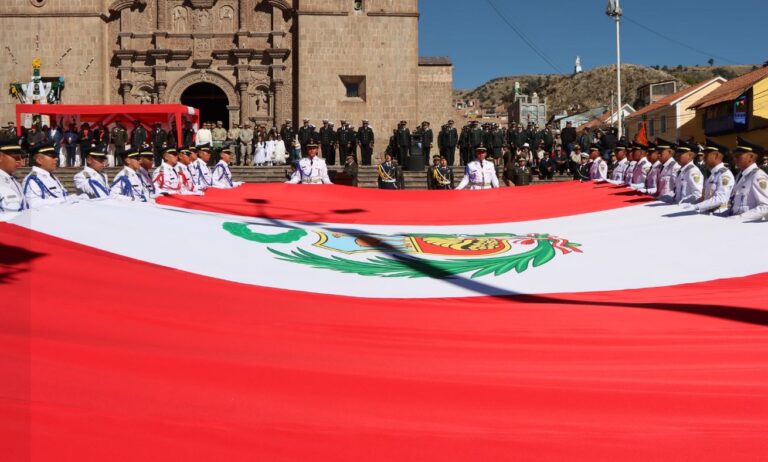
[187,135]
[245,140]
[55,136]
[219,135]
[327,142]
[306,133]
[447,141]
[159,143]
[204,136]
[71,139]
[281,152]
[233,139]
[585,140]
[568,137]
[402,142]
[119,137]
[365,137]
[427,139]
[138,135]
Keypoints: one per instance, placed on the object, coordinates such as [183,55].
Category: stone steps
[367,176]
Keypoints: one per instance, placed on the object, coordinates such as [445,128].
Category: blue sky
[483,47]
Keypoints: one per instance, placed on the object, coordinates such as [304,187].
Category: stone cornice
[322,13]
[393,15]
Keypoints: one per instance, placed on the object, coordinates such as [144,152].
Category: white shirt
[311,171]
[479,176]
[665,188]
[11,194]
[128,184]
[92,183]
[204,136]
[717,191]
[640,173]
[188,185]
[146,180]
[43,188]
[166,180]
[629,173]
[598,170]
[690,183]
[222,176]
[201,174]
[619,171]
[750,195]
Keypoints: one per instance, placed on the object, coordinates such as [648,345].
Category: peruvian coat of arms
[412,255]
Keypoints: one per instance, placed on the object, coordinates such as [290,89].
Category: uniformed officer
[41,187]
[388,173]
[127,183]
[666,176]
[246,145]
[165,177]
[522,174]
[188,185]
[582,171]
[365,137]
[11,194]
[222,175]
[652,179]
[146,161]
[443,175]
[617,176]
[327,139]
[233,139]
[642,166]
[598,170]
[218,136]
[690,181]
[749,200]
[633,156]
[311,169]
[719,185]
[447,141]
[92,181]
[427,139]
[430,172]
[403,142]
[480,173]
[201,174]
[305,134]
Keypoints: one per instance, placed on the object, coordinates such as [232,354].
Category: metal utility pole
[614,10]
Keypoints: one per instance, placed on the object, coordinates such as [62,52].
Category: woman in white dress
[269,147]
[280,152]
[259,152]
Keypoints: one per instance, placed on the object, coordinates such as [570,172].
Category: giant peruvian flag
[567,322]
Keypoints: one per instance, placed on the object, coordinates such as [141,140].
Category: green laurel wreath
[412,267]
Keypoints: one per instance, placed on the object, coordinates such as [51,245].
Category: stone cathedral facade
[266,60]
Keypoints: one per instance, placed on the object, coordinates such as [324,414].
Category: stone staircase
[367,176]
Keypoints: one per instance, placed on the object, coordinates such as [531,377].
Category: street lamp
[614,10]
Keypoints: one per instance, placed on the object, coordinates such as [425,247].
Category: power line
[523,37]
[674,40]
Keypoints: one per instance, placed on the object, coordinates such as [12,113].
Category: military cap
[185,151]
[171,151]
[639,146]
[226,150]
[574,148]
[662,144]
[621,146]
[287,121]
[146,151]
[436,156]
[365,121]
[343,121]
[747,146]
[97,151]
[332,124]
[519,158]
[11,147]
[46,149]
[584,155]
[594,147]
[325,121]
[130,153]
[481,148]
[451,121]
[306,120]
[219,122]
[683,146]
[711,146]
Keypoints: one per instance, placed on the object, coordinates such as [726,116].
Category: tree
[711,61]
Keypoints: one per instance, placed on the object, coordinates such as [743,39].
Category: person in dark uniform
[430,172]
[287,134]
[138,135]
[496,143]
[521,174]
[464,145]
[306,133]
[403,142]
[447,141]
[388,175]
[159,143]
[475,140]
[352,149]
[547,166]
[582,172]
[351,170]
[343,138]
[365,137]
[547,138]
[427,139]
[187,135]
[443,175]
[327,143]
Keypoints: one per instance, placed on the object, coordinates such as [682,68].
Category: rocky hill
[574,93]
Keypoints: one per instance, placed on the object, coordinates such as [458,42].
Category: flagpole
[614,10]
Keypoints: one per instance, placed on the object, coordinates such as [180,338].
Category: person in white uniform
[652,179]
[92,181]
[41,186]
[749,200]
[222,175]
[188,185]
[311,169]
[127,184]
[479,174]
[11,193]
[598,171]
[622,163]
[690,182]
[165,178]
[199,168]
[642,167]
[146,162]
[667,176]
[719,186]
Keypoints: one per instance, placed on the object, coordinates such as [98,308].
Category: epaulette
[33,173]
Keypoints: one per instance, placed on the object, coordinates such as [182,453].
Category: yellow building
[673,117]
[738,108]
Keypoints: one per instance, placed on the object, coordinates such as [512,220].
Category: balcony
[722,125]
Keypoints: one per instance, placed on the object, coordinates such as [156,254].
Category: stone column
[125,91]
[242,88]
[277,104]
